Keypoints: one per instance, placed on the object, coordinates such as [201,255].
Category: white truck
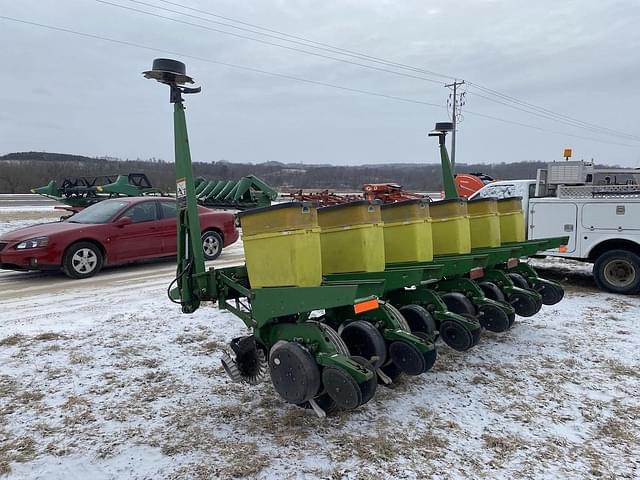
[599,209]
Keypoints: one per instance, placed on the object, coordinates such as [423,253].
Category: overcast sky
[64,93]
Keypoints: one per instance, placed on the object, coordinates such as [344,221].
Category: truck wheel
[618,271]
[82,260]
[211,245]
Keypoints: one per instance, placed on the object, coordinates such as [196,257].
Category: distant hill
[22,171]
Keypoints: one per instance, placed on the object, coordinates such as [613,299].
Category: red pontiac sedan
[111,232]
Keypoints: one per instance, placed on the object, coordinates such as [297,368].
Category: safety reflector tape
[563,249]
[366,306]
[477,272]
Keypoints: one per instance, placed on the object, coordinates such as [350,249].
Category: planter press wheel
[493,292]
[363,339]
[519,280]
[294,372]
[551,293]
[455,334]
[409,359]
[525,305]
[456,302]
[420,321]
[493,318]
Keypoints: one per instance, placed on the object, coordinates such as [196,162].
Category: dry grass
[19,449]
[12,340]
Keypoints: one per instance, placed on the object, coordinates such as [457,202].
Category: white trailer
[599,209]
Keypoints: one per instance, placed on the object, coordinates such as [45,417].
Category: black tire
[211,245]
[368,388]
[524,304]
[294,372]
[82,260]
[551,293]
[456,302]
[363,339]
[519,280]
[419,320]
[492,291]
[456,335]
[493,318]
[409,359]
[618,271]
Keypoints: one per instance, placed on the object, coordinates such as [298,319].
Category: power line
[225,64]
[555,132]
[506,99]
[265,42]
[545,113]
[285,76]
[311,43]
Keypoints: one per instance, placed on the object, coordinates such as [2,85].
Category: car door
[167,227]
[141,238]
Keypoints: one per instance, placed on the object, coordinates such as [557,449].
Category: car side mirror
[122,221]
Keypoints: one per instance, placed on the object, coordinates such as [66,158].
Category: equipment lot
[105,378]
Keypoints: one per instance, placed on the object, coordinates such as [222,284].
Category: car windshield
[98,213]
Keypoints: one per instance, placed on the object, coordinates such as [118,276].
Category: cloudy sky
[67,93]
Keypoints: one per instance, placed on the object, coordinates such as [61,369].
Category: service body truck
[599,209]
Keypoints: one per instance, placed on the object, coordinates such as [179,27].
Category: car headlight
[33,243]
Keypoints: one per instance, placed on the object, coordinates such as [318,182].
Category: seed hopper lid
[350,204]
[404,203]
[279,206]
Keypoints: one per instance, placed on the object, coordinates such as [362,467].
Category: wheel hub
[620,273]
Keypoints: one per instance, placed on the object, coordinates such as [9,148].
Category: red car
[111,232]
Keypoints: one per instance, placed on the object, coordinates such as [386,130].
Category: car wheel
[618,271]
[82,260]
[211,245]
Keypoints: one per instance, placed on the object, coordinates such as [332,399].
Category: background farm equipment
[331,305]
[248,192]
[469,183]
[81,192]
[384,192]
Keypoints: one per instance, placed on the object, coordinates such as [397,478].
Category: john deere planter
[338,299]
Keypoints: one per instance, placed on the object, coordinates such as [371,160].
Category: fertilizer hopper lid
[279,218]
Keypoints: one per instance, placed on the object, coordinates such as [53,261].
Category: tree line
[22,171]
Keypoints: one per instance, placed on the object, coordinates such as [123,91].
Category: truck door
[554,219]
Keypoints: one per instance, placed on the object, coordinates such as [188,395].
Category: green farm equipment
[248,192]
[329,318]
[80,192]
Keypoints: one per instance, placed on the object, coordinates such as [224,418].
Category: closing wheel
[456,302]
[524,304]
[518,280]
[551,293]
[342,388]
[294,372]
[365,340]
[493,318]
[368,388]
[456,335]
[409,359]
[492,291]
[419,319]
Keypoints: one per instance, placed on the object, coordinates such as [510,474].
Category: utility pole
[456,106]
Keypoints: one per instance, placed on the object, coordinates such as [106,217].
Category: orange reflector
[512,262]
[477,272]
[366,306]
[563,249]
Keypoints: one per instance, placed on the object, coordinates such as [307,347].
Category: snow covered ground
[105,378]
